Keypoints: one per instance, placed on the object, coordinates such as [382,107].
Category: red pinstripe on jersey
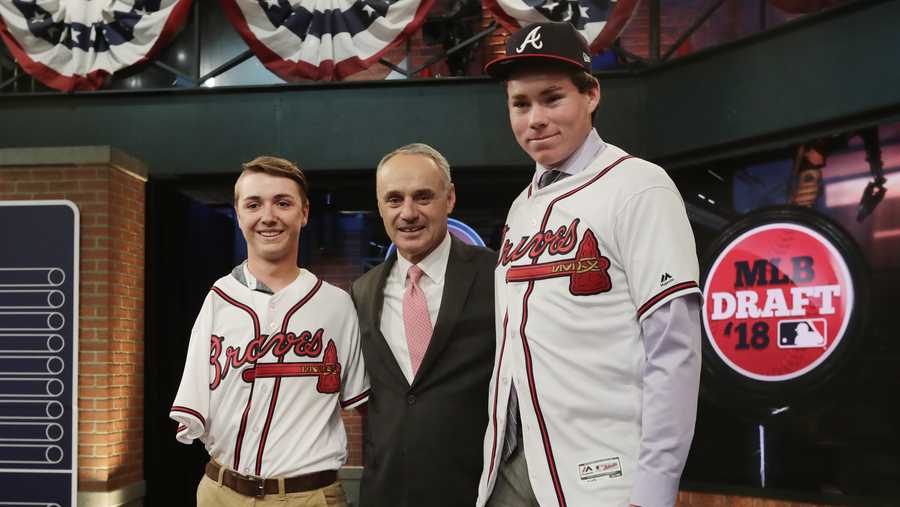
[496,391]
[664,294]
[190,412]
[355,399]
[243,427]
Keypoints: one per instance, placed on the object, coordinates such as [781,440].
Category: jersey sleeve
[657,247]
[191,406]
[354,380]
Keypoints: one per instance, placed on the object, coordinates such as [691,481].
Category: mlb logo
[802,333]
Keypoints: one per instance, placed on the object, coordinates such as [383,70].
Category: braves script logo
[558,242]
[533,38]
[305,344]
[587,271]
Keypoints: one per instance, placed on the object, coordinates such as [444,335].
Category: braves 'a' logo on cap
[533,38]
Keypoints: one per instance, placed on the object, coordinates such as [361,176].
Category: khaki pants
[513,488]
[212,494]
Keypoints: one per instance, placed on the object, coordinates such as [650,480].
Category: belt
[257,487]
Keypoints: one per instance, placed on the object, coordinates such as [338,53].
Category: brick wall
[111,314]
[733,20]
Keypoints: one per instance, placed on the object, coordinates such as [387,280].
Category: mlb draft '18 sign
[778,299]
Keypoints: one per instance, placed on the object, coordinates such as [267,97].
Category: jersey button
[411,399]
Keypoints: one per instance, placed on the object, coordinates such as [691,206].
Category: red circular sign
[777,302]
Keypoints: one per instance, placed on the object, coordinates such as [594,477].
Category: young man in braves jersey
[594,391]
[274,354]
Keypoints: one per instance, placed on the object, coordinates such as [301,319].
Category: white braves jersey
[583,261]
[266,375]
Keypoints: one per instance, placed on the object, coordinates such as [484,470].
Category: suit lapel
[379,344]
[457,281]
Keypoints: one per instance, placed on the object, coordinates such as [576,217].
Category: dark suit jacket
[423,442]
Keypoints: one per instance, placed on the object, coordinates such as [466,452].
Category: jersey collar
[242,274]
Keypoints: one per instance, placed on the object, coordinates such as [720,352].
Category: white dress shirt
[434,267]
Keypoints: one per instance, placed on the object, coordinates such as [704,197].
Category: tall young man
[274,354]
[594,390]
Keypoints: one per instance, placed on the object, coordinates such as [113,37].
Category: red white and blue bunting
[599,21]
[323,39]
[76,44]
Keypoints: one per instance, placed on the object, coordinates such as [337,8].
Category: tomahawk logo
[328,371]
[533,38]
[587,271]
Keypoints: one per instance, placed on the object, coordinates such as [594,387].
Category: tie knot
[414,274]
[550,176]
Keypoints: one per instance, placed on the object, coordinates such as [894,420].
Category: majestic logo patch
[665,279]
[587,271]
[777,302]
[594,470]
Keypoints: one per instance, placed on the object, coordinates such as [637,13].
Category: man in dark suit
[427,326]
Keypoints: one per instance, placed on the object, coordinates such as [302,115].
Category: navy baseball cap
[540,43]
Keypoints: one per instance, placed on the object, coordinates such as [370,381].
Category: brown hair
[274,166]
[583,81]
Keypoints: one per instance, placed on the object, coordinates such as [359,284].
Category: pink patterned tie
[416,320]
